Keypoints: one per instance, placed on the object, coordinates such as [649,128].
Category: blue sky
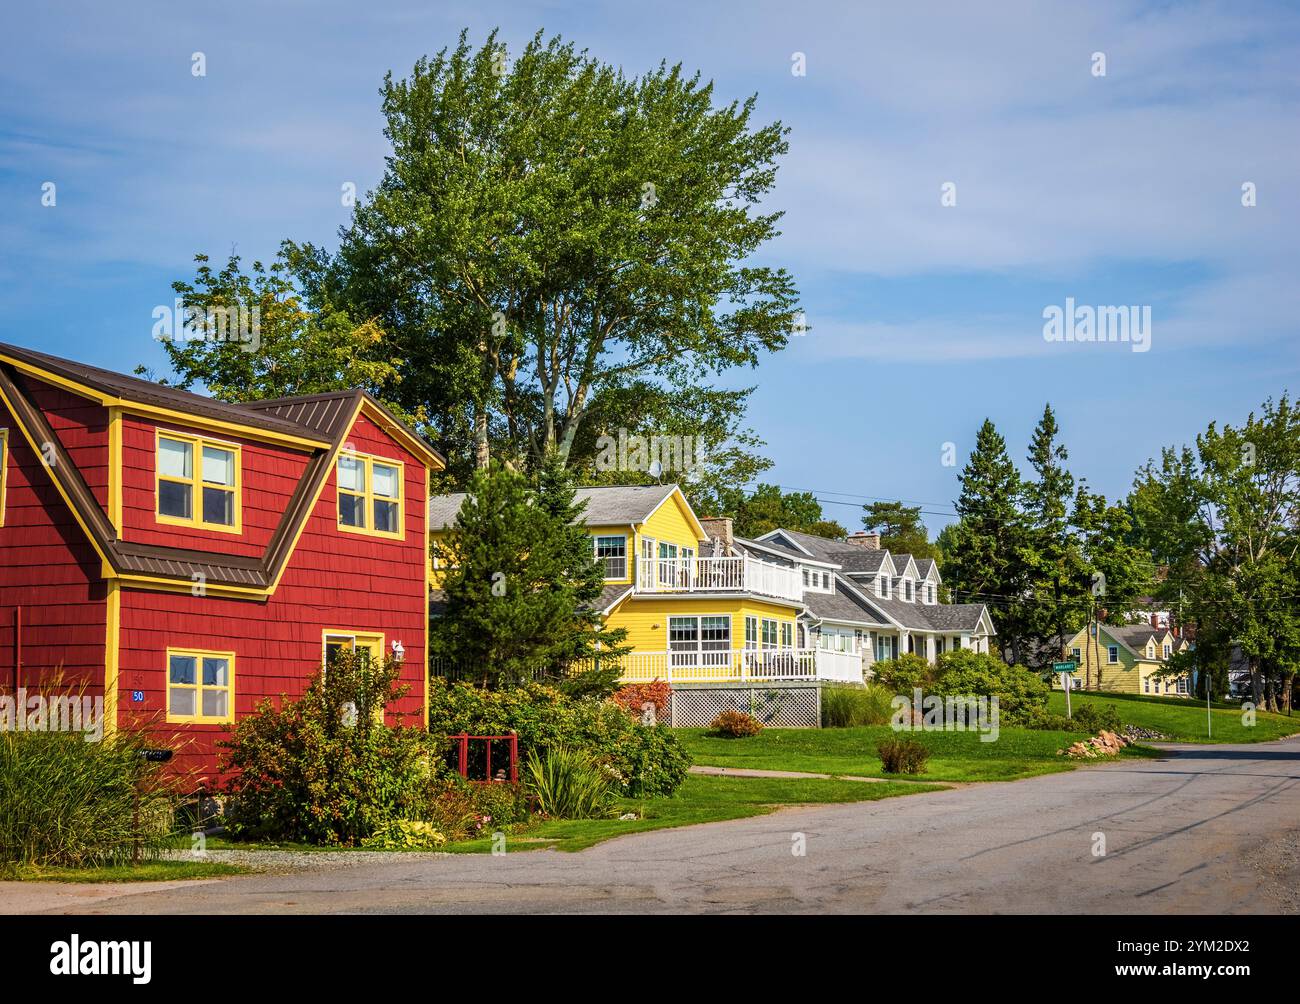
[1123,189]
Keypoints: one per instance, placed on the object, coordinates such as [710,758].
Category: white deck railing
[742,665]
[725,574]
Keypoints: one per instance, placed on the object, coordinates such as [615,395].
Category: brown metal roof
[150,393]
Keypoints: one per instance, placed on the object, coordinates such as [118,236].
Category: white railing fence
[722,574]
[742,664]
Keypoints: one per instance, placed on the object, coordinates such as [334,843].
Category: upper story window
[611,552]
[1169,650]
[929,592]
[1074,654]
[198,482]
[1112,654]
[882,587]
[370,495]
[826,581]
[805,578]
[907,590]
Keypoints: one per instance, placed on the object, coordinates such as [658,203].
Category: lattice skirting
[781,706]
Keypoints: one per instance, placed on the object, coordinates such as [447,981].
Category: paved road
[1210,830]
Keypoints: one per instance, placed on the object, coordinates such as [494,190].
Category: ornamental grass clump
[568,784]
[66,802]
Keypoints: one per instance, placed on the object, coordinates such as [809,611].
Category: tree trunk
[1256,682]
[482,453]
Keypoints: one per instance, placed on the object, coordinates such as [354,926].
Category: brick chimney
[871,541]
[719,527]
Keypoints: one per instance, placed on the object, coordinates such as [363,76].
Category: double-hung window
[200,686]
[787,634]
[611,552]
[699,641]
[1112,654]
[198,482]
[769,633]
[370,495]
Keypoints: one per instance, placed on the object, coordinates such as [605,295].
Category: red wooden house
[186,558]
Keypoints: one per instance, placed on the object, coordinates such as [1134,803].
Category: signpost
[1065,669]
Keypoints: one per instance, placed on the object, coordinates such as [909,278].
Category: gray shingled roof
[609,505]
[923,566]
[860,561]
[1135,636]
[841,605]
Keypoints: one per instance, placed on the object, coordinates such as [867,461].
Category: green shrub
[964,672]
[901,755]
[851,705]
[904,674]
[317,771]
[569,784]
[736,725]
[1093,718]
[66,802]
[648,760]
[1040,718]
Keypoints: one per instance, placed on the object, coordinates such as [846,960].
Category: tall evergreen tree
[988,562]
[1057,574]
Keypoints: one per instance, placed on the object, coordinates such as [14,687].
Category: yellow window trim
[196,482]
[374,643]
[198,687]
[4,472]
[367,495]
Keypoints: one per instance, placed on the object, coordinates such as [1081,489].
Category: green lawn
[1184,719]
[954,756]
[146,871]
[701,799]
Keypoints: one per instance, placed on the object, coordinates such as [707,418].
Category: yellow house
[1126,660]
[694,610]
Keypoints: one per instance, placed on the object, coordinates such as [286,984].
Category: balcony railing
[742,665]
[724,574]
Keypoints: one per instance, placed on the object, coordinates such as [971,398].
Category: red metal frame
[463,739]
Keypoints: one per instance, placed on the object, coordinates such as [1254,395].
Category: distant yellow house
[690,614]
[1126,660]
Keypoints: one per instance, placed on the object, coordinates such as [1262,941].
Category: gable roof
[238,574]
[607,505]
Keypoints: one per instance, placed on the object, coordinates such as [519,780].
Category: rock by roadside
[1103,744]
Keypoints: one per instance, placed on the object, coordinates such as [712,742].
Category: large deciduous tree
[555,232]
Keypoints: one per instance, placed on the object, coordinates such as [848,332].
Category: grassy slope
[954,756]
[700,800]
[1184,720]
[147,871]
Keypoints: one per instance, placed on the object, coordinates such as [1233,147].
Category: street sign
[1064,667]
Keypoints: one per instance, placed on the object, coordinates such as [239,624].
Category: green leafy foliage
[904,674]
[647,761]
[964,672]
[322,768]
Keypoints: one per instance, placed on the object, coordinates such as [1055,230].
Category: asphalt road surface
[1211,829]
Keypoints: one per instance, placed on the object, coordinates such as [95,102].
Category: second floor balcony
[694,574]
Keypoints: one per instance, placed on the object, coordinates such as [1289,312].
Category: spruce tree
[1058,577]
[988,561]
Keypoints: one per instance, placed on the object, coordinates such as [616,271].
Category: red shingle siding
[51,571]
[334,580]
[82,428]
[269,475]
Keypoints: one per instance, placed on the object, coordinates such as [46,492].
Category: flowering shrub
[635,696]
